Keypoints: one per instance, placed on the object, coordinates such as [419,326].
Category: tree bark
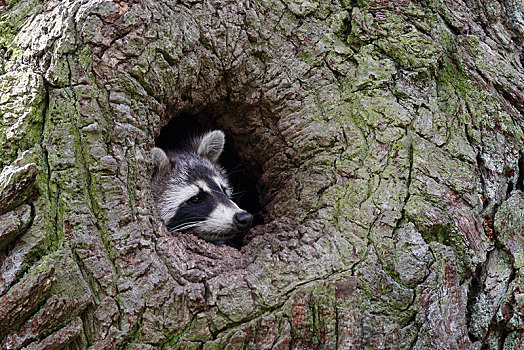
[386,138]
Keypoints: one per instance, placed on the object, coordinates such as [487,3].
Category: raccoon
[192,192]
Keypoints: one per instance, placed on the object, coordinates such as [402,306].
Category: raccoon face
[192,192]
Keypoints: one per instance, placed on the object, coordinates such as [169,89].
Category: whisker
[188,223]
[184,226]
[239,193]
[191,219]
[234,170]
[180,229]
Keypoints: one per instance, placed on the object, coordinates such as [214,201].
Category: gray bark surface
[386,137]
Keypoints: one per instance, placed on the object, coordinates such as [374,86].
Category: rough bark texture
[386,137]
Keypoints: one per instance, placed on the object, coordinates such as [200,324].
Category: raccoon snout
[243,220]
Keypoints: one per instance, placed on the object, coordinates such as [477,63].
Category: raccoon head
[192,192]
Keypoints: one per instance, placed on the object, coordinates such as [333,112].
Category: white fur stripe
[173,198]
[223,184]
[220,220]
[203,186]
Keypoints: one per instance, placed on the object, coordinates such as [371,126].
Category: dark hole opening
[520,179]
[242,180]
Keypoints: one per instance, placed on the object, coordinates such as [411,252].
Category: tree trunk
[385,137]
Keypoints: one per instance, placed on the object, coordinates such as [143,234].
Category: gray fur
[211,145]
[160,160]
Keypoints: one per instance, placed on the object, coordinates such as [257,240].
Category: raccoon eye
[196,199]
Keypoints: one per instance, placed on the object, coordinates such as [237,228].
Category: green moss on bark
[11,22]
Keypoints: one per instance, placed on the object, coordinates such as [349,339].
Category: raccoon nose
[242,220]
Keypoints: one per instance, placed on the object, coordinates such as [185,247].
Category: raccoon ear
[211,145]
[161,162]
